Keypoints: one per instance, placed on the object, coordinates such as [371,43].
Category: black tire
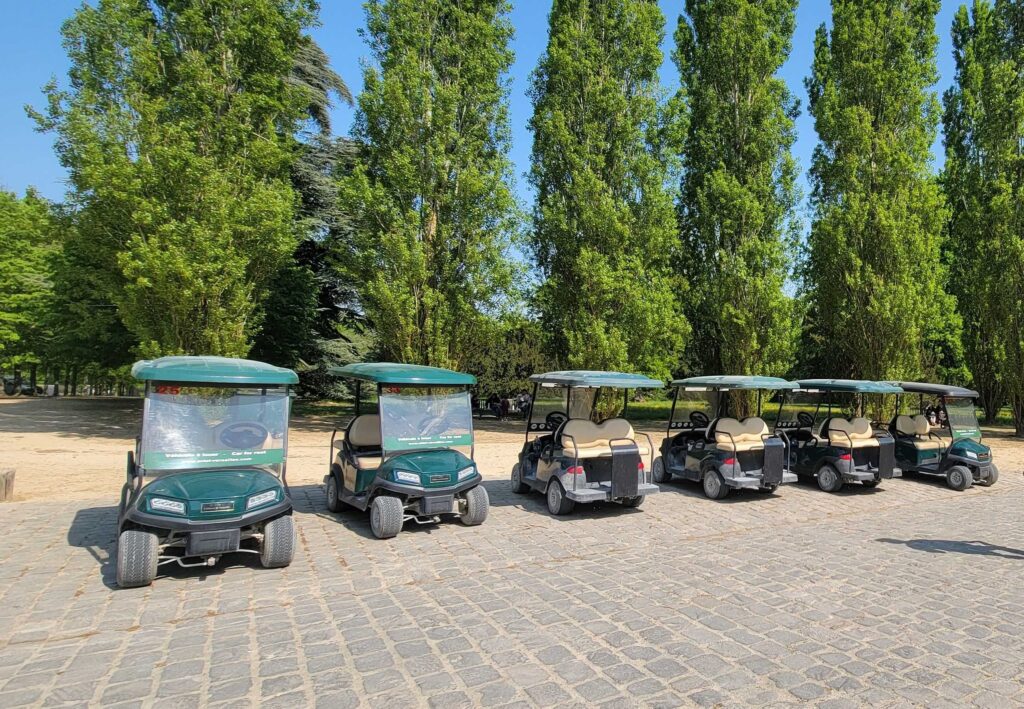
[558,503]
[992,478]
[477,505]
[714,485]
[9,388]
[958,478]
[387,515]
[768,490]
[870,483]
[659,473]
[333,498]
[278,547]
[829,479]
[137,555]
[516,481]
[633,501]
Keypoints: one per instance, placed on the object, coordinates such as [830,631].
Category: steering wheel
[804,419]
[431,425]
[555,419]
[244,435]
[699,419]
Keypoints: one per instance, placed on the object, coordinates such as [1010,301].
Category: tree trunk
[32,378]
[74,382]
[7,485]
[1017,406]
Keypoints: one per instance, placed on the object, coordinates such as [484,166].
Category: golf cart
[826,439]
[960,457]
[704,444]
[573,459]
[207,476]
[413,458]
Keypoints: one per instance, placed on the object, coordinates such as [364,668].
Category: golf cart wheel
[870,483]
[333,499]
[387,514]
[768,489]
[714,486]
[278,547]
[633,501]
[9,388]
[558,503]
[659,473]
[477,504]
[992,478]
[516,481]
[137,556]
[829,478]
[958,478]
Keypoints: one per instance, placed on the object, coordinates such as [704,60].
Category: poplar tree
[27,238]
[984,181]
[604,223]
[736,208]
[430,197]
[874,276]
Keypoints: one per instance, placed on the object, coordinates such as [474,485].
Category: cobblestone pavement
[910,594]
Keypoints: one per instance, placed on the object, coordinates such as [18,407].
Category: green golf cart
[207,476]
[827,440]
[957,453]
[573,459]
[412,459]
[705,444]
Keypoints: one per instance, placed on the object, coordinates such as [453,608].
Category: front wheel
[387,514]
[633,501]
[714,485]
[278,546]
[137,555]
[991,479]
[659,472]
[333,499]
[958,478]
[870,483]
[516,482]
[558,503]
[477,504]
[829,479]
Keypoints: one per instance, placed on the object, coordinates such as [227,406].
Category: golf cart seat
[595,440]
[915,430]
[732,435]
[855,433]
[363,439]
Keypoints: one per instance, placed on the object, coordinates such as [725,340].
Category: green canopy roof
[937,389]
[409,374]
[212,370]
[729,381]
[587,378]
[857,386]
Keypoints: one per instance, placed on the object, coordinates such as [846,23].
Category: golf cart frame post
[211,486]
[964,460]
[401,475]
[864,452]
[581,460]
[753,457]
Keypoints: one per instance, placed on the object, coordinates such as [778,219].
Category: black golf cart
[574,459]
[705,444]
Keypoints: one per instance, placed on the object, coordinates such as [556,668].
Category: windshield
[186,428]
[695,407]
[412,418]
[963,419]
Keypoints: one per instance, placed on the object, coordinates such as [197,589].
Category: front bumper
[181,524]
[603,492]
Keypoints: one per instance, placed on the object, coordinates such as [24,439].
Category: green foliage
[604,223]
[736,208]
[984,183]
[874,277]
[176,129]
[503,353]
[433,210]
[27,236]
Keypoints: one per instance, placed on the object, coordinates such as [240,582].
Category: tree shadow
[113,418]
[950,546]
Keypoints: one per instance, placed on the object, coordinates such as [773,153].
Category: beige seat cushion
[593,440]
[364,432]
[918,428]
[844,434]
[733,435]
[905,425]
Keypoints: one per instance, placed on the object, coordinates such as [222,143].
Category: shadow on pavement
[949,546]
[95,530]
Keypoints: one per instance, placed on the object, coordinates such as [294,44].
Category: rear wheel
[714,486]
[958,477]
[477,504]
[633,501]
[516,482]
[137,556]
[829,478]
[659,472]
[870,483]
[991,479]
[333,499]
[278,546]
[768,490]
[387,513]
[558,503]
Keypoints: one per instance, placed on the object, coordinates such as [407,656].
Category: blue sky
[31,53]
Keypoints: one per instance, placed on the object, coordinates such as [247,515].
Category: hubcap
[659,471]
[554,495]
[711,483]
[375,517]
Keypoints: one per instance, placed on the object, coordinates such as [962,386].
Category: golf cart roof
[212,370]
[937,389]
[394,373]
[594,379]
[729,381]
[857,386]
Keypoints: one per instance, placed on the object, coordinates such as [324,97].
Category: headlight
[971,454]
[159,504]
[467,472]
[407,477]
[261,499]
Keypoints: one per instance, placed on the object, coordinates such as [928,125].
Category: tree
[430,193]
[736,207]
[177,131]
[984,183]
[874,275]
[604,224]
[27,237]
